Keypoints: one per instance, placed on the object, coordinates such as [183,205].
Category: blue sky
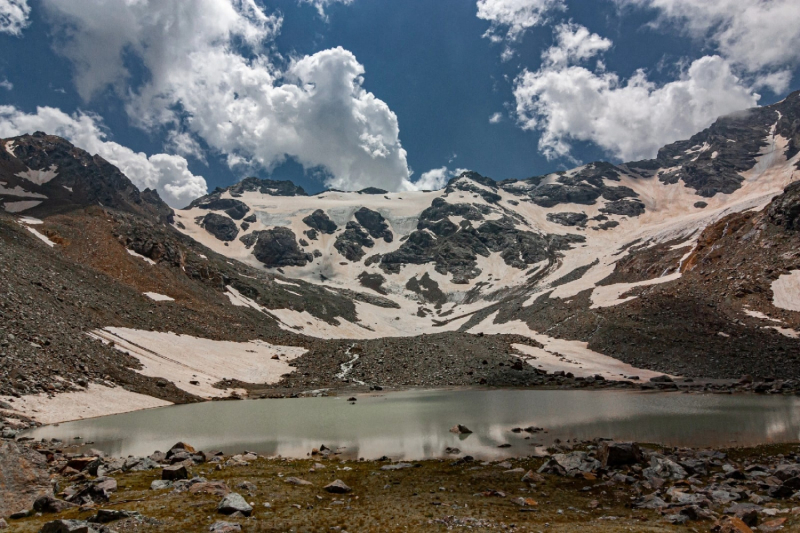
[353,93]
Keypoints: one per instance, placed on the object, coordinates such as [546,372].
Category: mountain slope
[686,264]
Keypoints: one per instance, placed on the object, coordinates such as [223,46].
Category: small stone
[296,481]
[338,487]
[3,524]
[532,477]
[233,503]
[224,527]
[397,466]
[461,430]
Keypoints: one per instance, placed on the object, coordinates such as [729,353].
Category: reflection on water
[415,424]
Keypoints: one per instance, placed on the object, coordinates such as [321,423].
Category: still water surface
[414,424]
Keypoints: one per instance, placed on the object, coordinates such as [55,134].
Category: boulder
[49,504]
[613,454]
[234,503]
[221,227]
[661,467]
[217,488]
[338,487]
[160,484]
[174,472]
[461,430]
[570,464]
[731,524]
[104,516]
[68,526]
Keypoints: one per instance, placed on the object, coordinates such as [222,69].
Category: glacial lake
[414,425]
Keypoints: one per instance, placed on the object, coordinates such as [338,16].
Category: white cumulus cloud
[214,76]
[435,179]
[510,19]
[496,118]
[630,118]
[322,4]
[168,174]
[14,16]
[760,38]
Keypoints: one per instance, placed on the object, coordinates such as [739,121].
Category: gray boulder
[68,526]
[234,503]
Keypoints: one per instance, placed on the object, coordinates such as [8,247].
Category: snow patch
[610,295]
[560,354]
[30,220]
[759,314]
[41,237]
[96,400]
[786,291]
[19,191]
[140,256]
[158,297]
[39,177]
[183,359]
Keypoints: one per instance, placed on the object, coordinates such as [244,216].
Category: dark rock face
[700,205]
[278,247]
[236,209]
[372,190]
[583,187]
[455,250]
[440,209]
[464,182]
[784,210]
[249,240]
[710,163]
[221,227]
[630,208]
[266,186]
[321,222]
[427,289]
[251,219]
[372,281]
[352,241]
[568,219]
[81,179]
[374,223]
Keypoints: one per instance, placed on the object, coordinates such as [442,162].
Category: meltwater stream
[414,424]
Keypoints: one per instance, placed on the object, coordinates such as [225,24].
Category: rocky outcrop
[277,247]
[352,241]
[784,210]
[455,250]
[221,227]
[63,177]
[568,219]
[266,186]
[23,477]
[320,222]
[236,209]
[374,223]
[630,208]
[712,161]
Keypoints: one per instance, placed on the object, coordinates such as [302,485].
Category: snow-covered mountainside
[687,264]
[444,257]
